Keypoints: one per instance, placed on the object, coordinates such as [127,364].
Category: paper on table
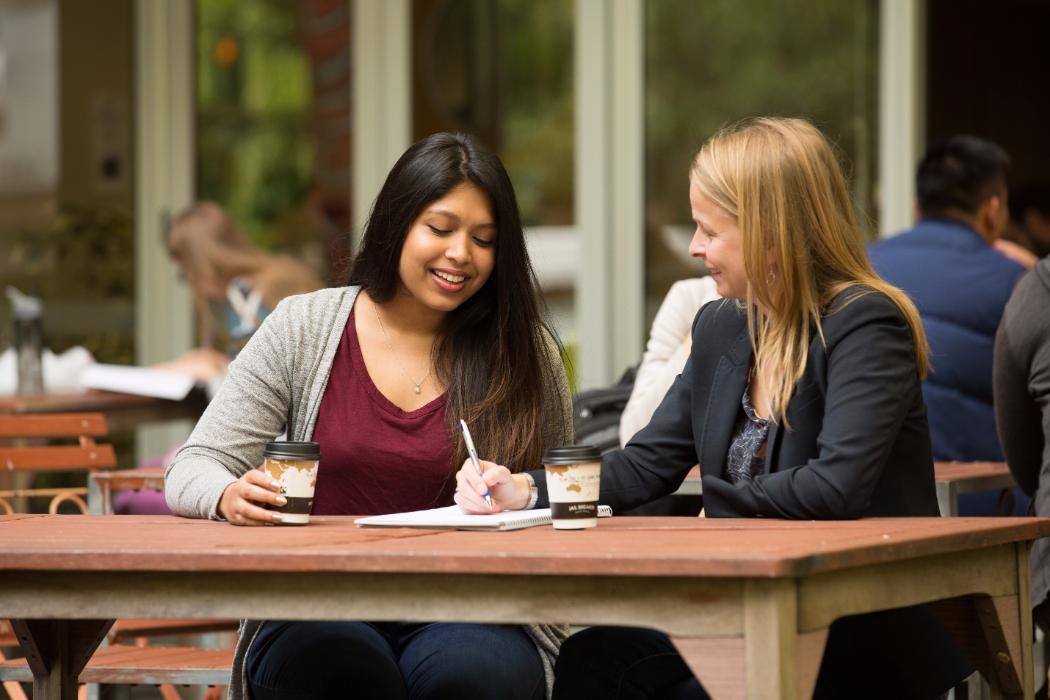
[143,381]
[453,517]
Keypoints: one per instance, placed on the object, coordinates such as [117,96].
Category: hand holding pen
[473,453]
[489,490]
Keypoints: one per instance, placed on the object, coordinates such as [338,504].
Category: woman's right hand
[240,501]
[507,491]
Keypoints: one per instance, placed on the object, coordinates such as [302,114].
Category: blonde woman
[235,285]
[225,269]
[803,401]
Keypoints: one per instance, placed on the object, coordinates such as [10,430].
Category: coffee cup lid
[293,450]
[571,454]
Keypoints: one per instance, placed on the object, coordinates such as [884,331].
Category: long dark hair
[491,351]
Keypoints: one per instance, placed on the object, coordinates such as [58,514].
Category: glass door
[503,70]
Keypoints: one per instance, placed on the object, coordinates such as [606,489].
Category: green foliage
[503,71]
[54,261]
[536,78]
[82,265]
[254,152]
[712,63]
[568,358]
[725,60]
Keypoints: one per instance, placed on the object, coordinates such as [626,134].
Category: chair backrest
[19,451]
[596,413]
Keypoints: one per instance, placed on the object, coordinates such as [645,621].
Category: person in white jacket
[666,352]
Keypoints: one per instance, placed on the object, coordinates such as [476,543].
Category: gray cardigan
[275,385]
[1022,403]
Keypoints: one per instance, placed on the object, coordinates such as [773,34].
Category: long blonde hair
[780,180]
[211,249]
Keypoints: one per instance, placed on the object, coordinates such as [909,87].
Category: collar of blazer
[727,385]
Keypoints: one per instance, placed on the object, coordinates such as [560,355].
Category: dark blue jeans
[393,661]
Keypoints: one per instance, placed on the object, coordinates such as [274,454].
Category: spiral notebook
[454,518]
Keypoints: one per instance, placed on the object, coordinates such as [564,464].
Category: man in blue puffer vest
[951,268]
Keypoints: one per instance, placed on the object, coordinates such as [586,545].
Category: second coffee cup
[293,465]
[573,478]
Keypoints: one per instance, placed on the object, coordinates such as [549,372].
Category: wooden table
[122,411]
[102,485]
[955,478]
[748,602]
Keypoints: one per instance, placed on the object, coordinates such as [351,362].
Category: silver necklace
[397,358]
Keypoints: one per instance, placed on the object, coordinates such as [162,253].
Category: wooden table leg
[948,498]
[57,651]
[772,660]
[1007,622]
[781,664]
[996,633]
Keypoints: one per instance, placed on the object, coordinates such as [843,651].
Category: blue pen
[473,455]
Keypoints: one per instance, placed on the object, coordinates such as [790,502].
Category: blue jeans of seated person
[393,661]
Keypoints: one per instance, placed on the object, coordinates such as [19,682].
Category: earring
[772,277]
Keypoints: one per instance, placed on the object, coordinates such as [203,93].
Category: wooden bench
[120,664]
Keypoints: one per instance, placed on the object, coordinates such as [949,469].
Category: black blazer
[858,446]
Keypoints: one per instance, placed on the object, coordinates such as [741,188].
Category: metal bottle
[28,315]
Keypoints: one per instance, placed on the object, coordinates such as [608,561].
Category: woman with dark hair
[441,320]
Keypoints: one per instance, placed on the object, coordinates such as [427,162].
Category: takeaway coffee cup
[294,466]
[573,475]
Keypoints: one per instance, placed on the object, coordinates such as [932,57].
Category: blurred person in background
[950,267]
[670,341]
[234,283]
[1029,225]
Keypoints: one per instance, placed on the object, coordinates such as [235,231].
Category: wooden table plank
[648,546]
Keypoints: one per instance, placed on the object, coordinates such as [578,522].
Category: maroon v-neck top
[376,458]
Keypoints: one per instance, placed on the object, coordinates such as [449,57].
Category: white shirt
[666,352]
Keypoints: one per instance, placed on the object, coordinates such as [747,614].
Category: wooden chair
[117,663]
[20,457]
[8,640]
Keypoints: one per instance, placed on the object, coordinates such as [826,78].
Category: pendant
[417,389]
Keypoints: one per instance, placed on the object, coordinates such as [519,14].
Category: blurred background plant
[82,264]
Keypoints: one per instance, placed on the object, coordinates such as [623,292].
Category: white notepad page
[453,517]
